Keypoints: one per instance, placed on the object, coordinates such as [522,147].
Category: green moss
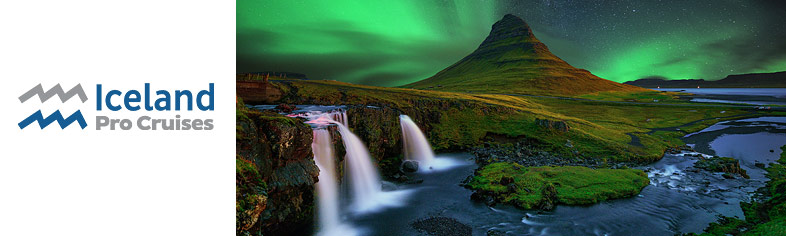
[250,191]
[776,227]
[248,183]
[724,226]
[240,116]
[530,187]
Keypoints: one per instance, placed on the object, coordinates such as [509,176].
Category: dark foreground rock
[275,175]
[442,226]
[526,153]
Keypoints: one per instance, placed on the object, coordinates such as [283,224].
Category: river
[678,200]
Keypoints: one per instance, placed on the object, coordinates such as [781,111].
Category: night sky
[395,42]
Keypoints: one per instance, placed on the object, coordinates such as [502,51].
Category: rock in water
[494,232]
[482,198]
[409,166]
[726,165]
[443,226]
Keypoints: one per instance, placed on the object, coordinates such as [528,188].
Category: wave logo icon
[64,96]
[56,116]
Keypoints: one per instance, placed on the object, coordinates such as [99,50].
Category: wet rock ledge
[275,174]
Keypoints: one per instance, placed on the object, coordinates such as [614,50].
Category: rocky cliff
[379,127]
[374,117]
[275,174]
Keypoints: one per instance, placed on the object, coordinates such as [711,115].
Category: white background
[88,182]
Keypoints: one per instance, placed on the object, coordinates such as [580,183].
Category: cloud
[368,58]
[746,53]
[388,78]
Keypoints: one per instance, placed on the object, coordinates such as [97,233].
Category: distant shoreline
[753,96]
[754,80]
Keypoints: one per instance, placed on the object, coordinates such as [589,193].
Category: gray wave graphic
[56,90]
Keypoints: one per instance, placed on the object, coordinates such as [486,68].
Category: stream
[680,199]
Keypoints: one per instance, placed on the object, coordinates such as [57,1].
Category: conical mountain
[512,61]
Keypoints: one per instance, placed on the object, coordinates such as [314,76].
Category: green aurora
[391,43]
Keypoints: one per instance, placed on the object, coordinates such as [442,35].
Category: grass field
[597,129]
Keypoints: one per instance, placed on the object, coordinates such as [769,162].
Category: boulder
[482,198]
[409,166]
[727,165]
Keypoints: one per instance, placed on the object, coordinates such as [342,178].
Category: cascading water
[330,223]
[362,178]
[327,188]
[416,146]
[341,117]
[364,181]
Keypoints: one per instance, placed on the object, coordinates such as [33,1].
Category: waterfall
[327,188]
[361,175]
[416,146]
[329,214]
[341,117]
[364,180]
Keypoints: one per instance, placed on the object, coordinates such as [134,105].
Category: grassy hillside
[597,129]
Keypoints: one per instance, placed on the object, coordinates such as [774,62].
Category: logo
[56,116]
[56,90]
[151,107]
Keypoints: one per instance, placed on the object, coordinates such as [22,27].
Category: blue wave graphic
[56,116]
